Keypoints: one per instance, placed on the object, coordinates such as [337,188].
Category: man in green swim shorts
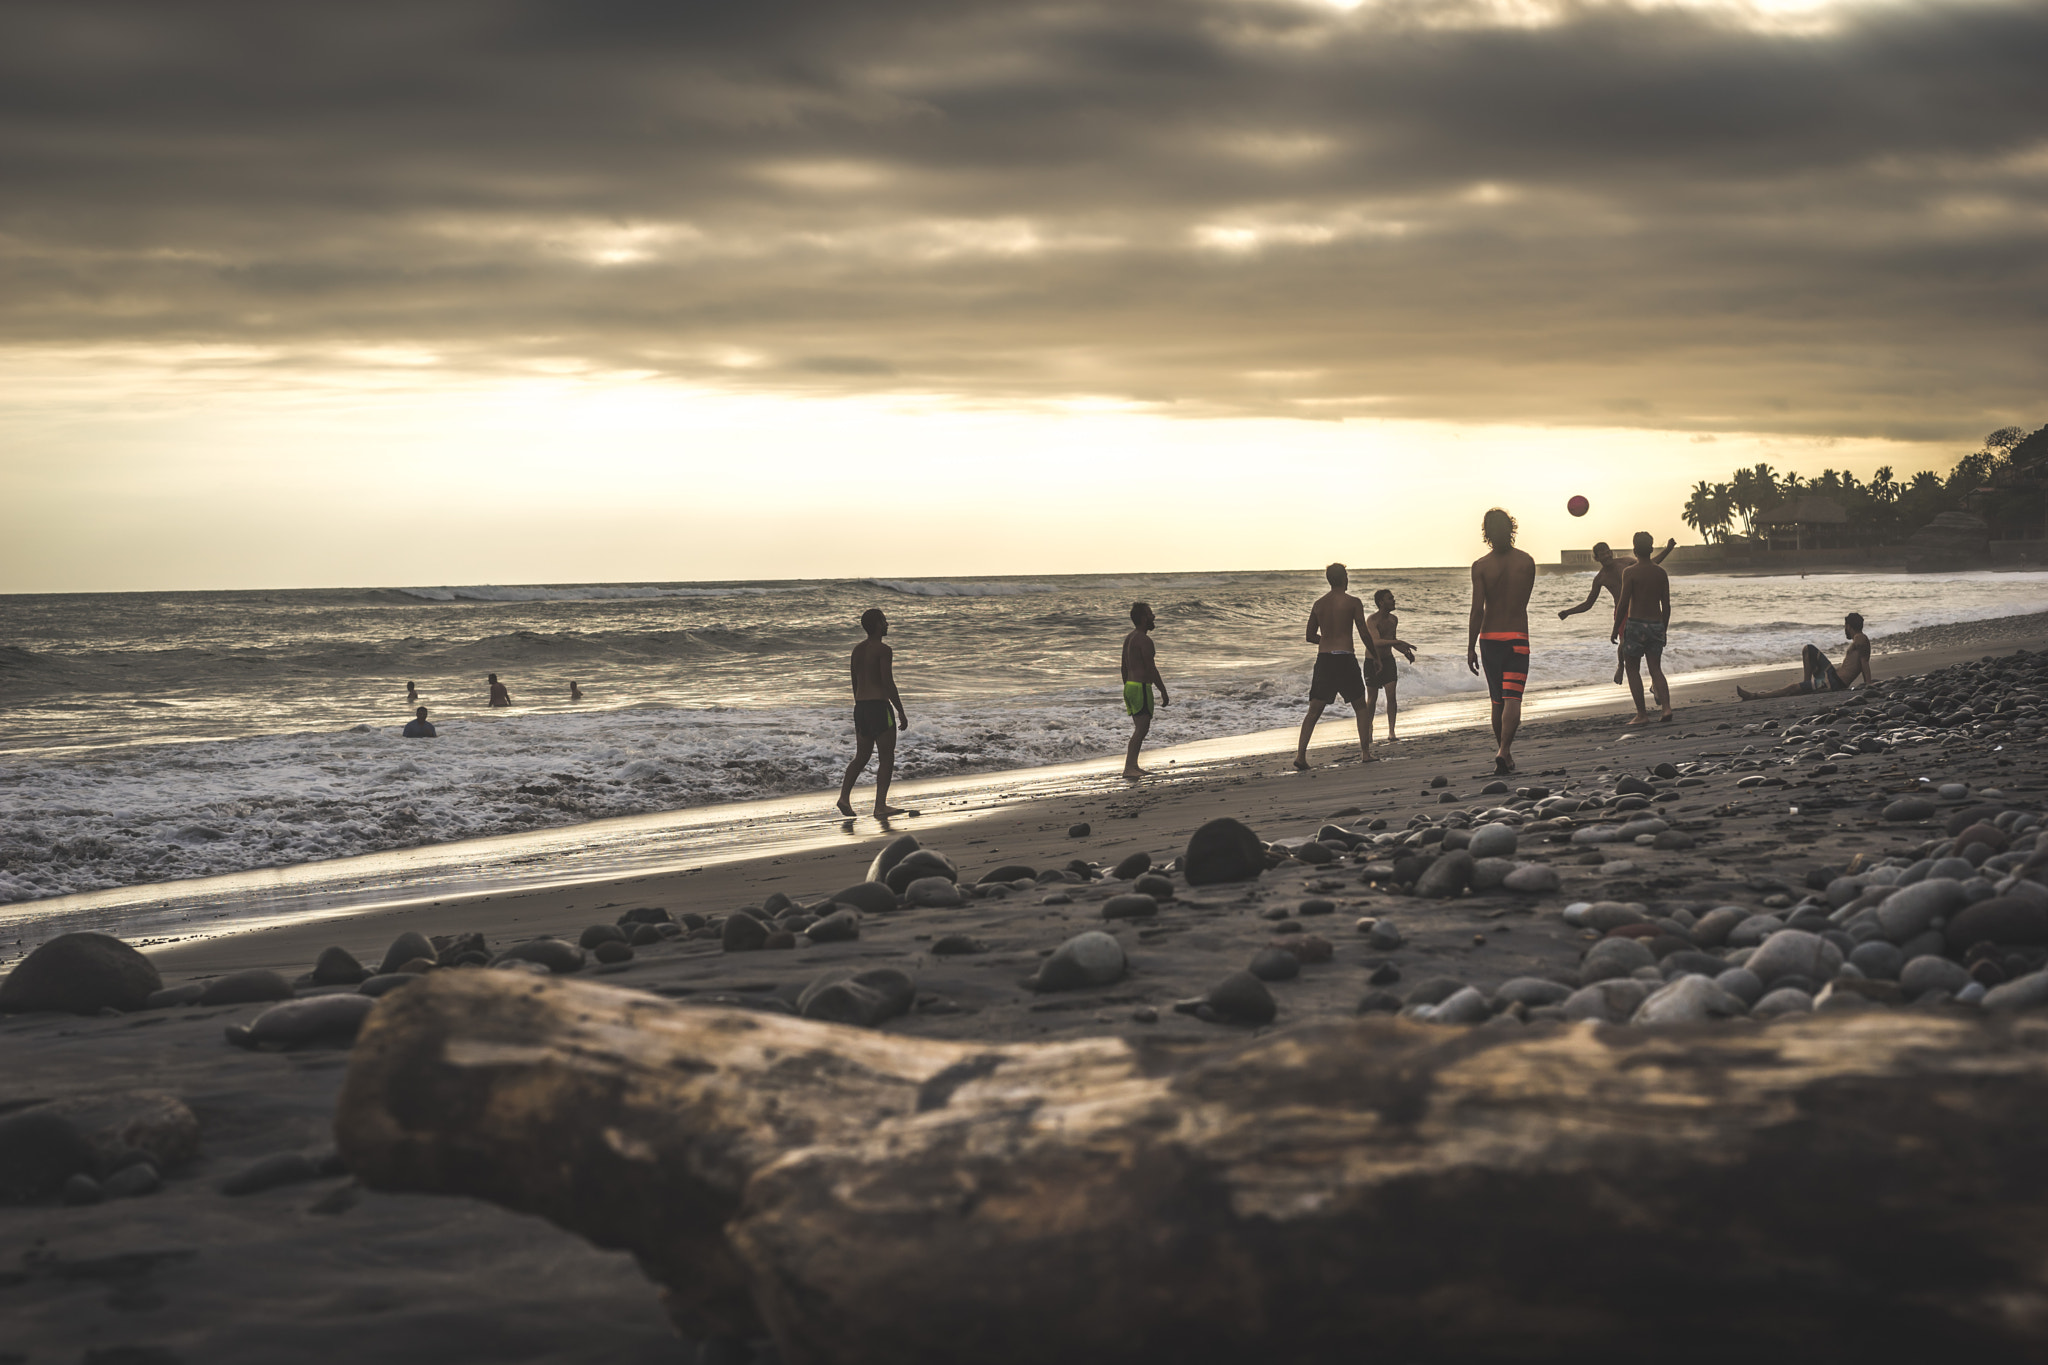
[1141,675]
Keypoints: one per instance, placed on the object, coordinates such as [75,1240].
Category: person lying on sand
[1822,676]
[1643,612]
[1608,576]
[1498,628]
[499,696]
[1381,629]
[418,727]
[1337,674]
[1141,675]
[874,723]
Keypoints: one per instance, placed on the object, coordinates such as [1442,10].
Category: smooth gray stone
[1742,983]
[890,854]
[838,927]
[318,1019]
[1978,889]
[337,966]
[1157,887]
[1447,877]
[1489,874]
[1468,1006]
[1088,959]
[1688,1000]
[1795,952]
[246,988]
[1274,964]
[1531,879]
[1842,890]
[1223,850]
[1613,957]
[2029,992]
[187,994]
[611,933]
[1909,808]
[1607,916]
[391,981]
[1910,910]
[1130,905]
[1961,869]
[862,999]
[1915,872]
[1533,991]
[936,893]
[558,955]
[1385,937]
[407,946]
[1971,994]
[1649,824]
[1880,961]
[1785,1001]
[1596,834]
[870,898]
[1131,865]
[1713,928]
[80,973]
[1754,931]
[1239,998]
[1607,1001]
[1929,972]
[132,1181]
[1492,841]
[918,864]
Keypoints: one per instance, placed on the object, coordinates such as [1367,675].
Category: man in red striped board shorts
[1497,632]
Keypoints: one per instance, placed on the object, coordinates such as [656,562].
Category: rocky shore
[171,1193]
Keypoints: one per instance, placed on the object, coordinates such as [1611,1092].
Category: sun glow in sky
[440,293]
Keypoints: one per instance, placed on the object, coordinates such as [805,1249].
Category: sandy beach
[317,1267]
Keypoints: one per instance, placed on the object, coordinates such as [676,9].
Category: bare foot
[1664,719]
[1502,766]
[884,812]
[846,807]
[1745,696]
[1133,774]
[1391,739]
[1301,765]
[1367,758]
[1642,718]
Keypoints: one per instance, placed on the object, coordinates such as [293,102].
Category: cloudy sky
[468,291]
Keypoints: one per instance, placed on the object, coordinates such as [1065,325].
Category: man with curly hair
[1498,629]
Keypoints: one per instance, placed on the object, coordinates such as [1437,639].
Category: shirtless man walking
[1141,675]
[1337,674]
[1644,605]
[1609,577]
[877,714]
[1498,629]
[1820,675]
[499,696]
[1380,630]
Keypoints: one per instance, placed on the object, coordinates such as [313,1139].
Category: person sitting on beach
[1818,675]
[417,727]
[1336,674]
[1644,604]
[499,696]
[575,692]
[1141,675]
[1498,628]
[1608,576]
[1381,628]
[874,725]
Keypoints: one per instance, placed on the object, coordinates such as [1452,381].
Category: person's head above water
[1142,617]
[1852,624]
[1384,599]
[873,622]
[1645,543]
[420,714]
[1497,528]
[1339,576]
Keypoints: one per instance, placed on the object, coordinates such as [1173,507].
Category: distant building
[1808,518]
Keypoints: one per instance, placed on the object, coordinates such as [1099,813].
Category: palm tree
[1706,511]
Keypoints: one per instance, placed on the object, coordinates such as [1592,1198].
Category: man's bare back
[1501,584]
[1497,629]
[1645,593]
[1330,621]
[871,670]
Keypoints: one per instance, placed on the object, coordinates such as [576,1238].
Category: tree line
[2004,482]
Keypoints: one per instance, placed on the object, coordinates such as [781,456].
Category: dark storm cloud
[1662,215]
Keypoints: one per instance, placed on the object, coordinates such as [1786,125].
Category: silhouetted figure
[499,696]
[875,723]
[417,727]
[1141,675]
[1497,629]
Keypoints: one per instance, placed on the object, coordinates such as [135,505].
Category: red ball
[1578,506]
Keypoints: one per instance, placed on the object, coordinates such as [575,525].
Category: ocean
[149,737]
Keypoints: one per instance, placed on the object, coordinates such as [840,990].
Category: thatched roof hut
[1805,509]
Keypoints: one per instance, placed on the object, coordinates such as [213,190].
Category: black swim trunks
[1336,676]
[1380,670]
[873,719]
[1504,654]
[1820,674]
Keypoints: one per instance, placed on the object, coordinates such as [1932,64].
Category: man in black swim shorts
[877,714]
[1497,629]
[1330,622]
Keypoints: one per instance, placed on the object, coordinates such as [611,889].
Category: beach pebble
[246,988]
[557,955]
[1673,841]
[1315,853]
[890,854]
[863,999]
[1494,788]
[1145,1014]
[1688,1000]
[1157,887]
[958,945]
[1239,998]
[1971,994]
[2000,919]
[133,1181]
[1533,990]
[1447,877]
[1223,850]
[1712,929]
[645,936]
[870,898]
[1130,905]
[1531,879]
[1607,916]
[1795,952]
[1614,957]
[742,933]
[1306,949]
[80,973]
[1784,1000]
[319,1019]
[935,893]
[187,994]
[390,981]
[1911,910]
[644,914]
[612,952]
[1386,974]
[1131,865]
[2024,993]
[1089,959]
[1384,936]
[601,933]
[1467,1006]
[919,865]
[271,1172]
[1492,841]
[1953,791]
[1607,1001]
[82,1189]
[1931,973]
[1685,961]
[338,967]
[1316,905]
[407,946]
[1909,808]
[1742,983]
[1878,960]
[39,1151]
[1489,874]
[1379,1002]
[840,926]
[1080,831]
[1009,872]
[1753,931]
[1272,964]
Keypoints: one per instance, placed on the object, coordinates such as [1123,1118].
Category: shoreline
[986,806]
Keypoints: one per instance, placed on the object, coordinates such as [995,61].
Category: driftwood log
[1370,1190]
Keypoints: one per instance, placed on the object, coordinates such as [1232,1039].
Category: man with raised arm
[1381,631]
[1141,675]
[1337,674]
[1822,676]
[1608,576]
[877,714]
[1643,612]
[1497,631]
